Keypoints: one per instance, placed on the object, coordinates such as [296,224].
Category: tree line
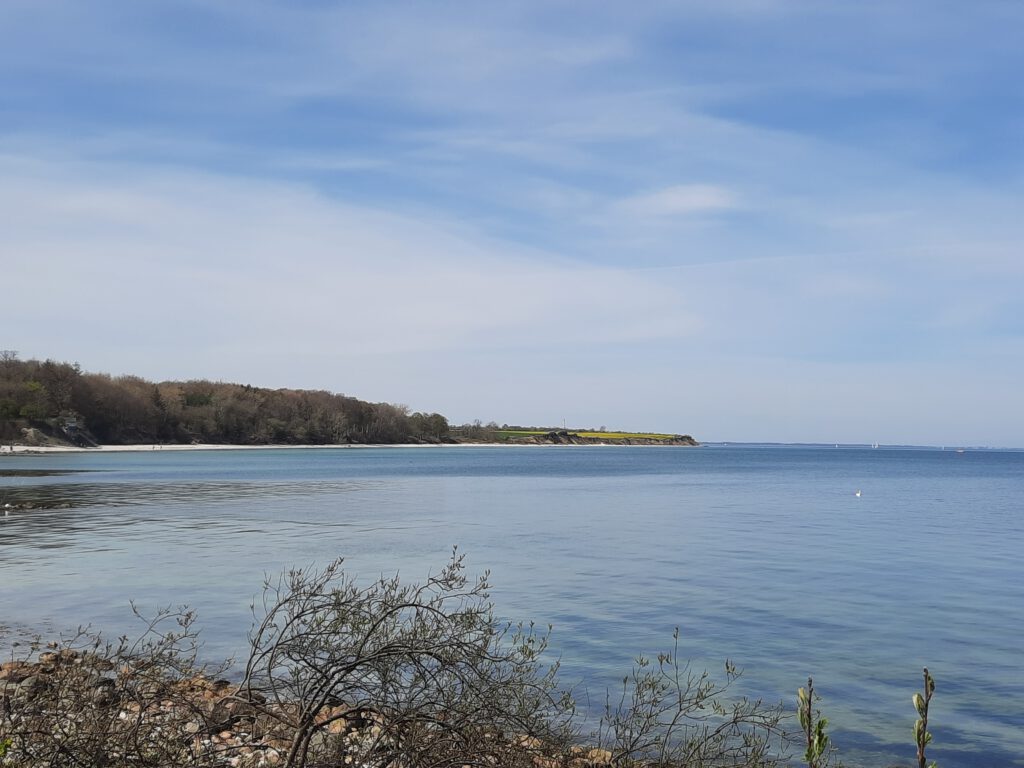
[63,400]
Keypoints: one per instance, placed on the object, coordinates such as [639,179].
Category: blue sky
[750,220]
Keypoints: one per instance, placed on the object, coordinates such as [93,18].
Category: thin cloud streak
[680,200]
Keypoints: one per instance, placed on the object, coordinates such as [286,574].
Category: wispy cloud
[283,264]
[680,200]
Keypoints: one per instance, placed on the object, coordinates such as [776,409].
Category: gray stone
[32,685]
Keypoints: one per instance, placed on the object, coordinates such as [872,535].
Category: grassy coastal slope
[590,437]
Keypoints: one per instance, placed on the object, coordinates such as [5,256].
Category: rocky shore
[205,718]
[84,698]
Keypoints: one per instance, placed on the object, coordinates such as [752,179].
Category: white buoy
[857,493]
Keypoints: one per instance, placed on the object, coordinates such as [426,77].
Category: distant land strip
[590,437]
[54,404]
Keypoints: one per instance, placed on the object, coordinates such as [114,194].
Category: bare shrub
[385,675]
[401,674]
[89,702]
[666,715]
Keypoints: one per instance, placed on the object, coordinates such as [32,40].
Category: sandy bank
[6,450]
[31,450]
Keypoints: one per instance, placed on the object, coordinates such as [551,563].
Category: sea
[856,566]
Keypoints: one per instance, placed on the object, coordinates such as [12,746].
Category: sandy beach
[34,450]
[8,450]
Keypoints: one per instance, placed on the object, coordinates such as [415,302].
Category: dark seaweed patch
[40,472]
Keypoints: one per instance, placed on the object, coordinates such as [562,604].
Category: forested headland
[47,402]
[60,401]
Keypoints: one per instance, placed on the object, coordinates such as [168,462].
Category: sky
[763,220]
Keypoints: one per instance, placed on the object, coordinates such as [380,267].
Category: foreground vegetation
[385,675]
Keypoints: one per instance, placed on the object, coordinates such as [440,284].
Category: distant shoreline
[31,450]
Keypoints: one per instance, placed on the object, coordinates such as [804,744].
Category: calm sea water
[762,555]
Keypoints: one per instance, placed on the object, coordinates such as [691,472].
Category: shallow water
[760,554]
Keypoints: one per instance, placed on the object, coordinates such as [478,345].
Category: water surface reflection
[764,556]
